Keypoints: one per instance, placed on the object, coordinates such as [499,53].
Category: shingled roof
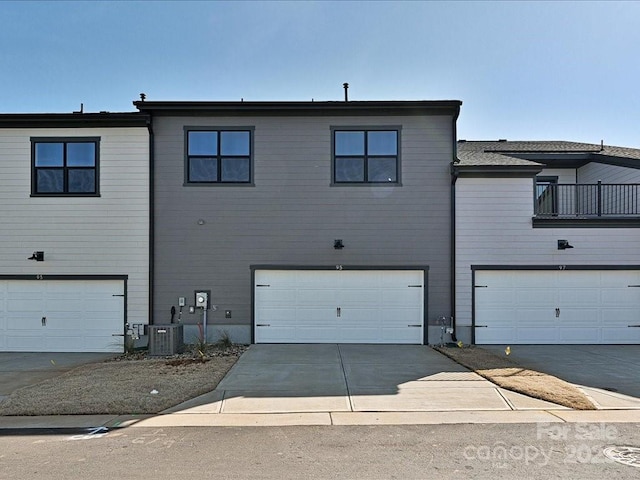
[503,153]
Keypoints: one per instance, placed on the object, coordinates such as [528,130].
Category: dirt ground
[507,374]
[128,384]
[137,384]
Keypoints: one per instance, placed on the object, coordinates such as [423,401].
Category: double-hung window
[218,156]
[64,166]
[366,156]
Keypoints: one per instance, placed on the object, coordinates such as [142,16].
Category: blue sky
[524,70]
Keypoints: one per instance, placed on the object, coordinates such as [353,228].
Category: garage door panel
[536,335]
[531,297]
[593,306]
[496,316]
[275,334]
[579,335]
[579,296]
[619,278]
[498,297]
[24,343]
[62,315]
[620,317]
[494,335]
[316,314]
[621,334]
[340,306]
[401,297]
[315,297]
[269,314]
[359,335]
[624,296]
[579,317]
[274,296]
[356,297]
[21,303]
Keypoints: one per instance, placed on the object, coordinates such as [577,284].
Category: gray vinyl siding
[105,235]
[592,172]
[292,214]
[494,227]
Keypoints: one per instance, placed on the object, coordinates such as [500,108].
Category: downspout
[454,178]
[151,215]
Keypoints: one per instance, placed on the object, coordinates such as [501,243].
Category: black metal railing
[586,200]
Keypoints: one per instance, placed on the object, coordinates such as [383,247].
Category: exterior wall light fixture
[37,256]
[564,244]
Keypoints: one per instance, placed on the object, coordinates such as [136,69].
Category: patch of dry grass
[121,387]
[507,374]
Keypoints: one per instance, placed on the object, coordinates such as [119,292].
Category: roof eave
[496,170]
[73,120]
[419,107]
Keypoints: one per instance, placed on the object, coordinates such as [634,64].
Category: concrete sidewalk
[279,385]
[276,379]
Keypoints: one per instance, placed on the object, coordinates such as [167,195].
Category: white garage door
[61,315]
[557,306]
[324,306]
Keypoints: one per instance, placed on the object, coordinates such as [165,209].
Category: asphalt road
[567,451]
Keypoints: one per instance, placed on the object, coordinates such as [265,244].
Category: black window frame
[219,156]
[546,193]
[65,168]
[366,156]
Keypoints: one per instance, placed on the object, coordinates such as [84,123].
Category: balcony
[612,204]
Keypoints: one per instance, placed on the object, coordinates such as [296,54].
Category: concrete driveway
[353,378]
[609,374]
[20,369]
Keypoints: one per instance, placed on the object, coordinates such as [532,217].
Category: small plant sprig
[225,340]
[200,345]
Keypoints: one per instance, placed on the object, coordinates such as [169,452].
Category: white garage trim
[59,313]
[344,305]
[556,305]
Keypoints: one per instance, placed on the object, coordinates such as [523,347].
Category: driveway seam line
[344,375]
[509,404]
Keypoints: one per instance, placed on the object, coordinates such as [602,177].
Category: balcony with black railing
[582,201]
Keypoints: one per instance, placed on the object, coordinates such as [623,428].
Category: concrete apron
[302,379]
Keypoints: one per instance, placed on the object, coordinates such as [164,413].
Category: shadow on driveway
[605,372]
[293,378]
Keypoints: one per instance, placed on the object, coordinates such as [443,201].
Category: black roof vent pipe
[346,91]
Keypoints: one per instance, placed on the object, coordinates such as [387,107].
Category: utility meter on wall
[202,299]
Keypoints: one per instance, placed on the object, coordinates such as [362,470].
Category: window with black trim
[64,166]
[546,195]
[218,156]
[365,156]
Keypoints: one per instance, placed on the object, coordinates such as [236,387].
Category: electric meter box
[202,299]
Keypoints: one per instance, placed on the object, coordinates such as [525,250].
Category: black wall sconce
[37,256]
[338,245]
[564,244]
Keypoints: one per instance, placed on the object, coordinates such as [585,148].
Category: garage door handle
[44,321]
[482,326]
[263,324]
[635,326]
[417,325]
[338,312]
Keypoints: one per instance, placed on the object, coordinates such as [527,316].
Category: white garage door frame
[425,276]
[118,337]
[581,313]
